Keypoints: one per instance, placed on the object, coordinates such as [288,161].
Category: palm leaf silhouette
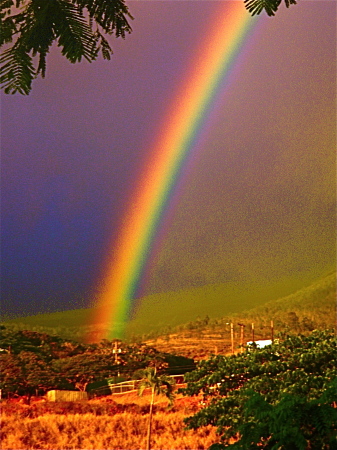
[77,26]
[269,6]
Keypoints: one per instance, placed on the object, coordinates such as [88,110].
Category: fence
[125,386]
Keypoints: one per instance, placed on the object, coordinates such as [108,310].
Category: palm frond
[257,6]
[74,33]
[5,6]
[39,34]
[8,29]
[290,2]
[103,45]
[71,23]
[111,15]
[141,389]
[17,71]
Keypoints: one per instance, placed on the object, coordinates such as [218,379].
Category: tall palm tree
[77,26]
[159,384]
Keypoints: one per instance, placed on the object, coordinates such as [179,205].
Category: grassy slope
[174,308]
[318,298]
[315,303]
[160,310]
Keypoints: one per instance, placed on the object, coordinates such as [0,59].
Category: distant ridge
[174,308]
[216,301]
[69,318]
[320,295]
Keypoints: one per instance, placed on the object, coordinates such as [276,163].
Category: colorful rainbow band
[185,117]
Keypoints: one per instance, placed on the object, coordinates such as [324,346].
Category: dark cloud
[257,200]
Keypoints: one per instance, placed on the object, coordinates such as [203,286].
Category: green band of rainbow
[228,29]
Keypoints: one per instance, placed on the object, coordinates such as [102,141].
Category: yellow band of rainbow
[229,27]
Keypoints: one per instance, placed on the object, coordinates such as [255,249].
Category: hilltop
[206,328]
[313,307]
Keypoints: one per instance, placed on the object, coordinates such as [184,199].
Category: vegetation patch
[279,397]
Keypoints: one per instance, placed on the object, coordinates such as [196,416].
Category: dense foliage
[279,397]
[33,362]
[79,27]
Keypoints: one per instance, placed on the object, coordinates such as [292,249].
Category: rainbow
[205,76]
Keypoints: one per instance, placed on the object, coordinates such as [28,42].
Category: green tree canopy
[25,374]
[80,370]
[271,395]
[34,362]
[80,27]
[48,347]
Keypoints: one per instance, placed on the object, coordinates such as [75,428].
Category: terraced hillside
[313,307]
[308,308]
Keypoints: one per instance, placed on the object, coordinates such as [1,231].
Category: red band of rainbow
[185,116]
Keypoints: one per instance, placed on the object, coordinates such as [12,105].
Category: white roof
[262,343]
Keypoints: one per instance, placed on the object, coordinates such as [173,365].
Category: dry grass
[198,347]
[118,431]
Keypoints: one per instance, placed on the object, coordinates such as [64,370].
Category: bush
[268,393]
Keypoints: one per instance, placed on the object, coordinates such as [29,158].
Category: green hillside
[312,307]
[70,318]
[158,311]
[316,302]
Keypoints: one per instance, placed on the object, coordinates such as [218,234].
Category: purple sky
[257,201]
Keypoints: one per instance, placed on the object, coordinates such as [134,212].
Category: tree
[79,27]
[263,395]
[293,321]
[159,384]
[130,358]
[25,374]
[80,370]
[48,347]
[292,423]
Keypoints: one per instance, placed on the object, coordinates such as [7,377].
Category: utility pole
[272,331]
[253,336]
[232,337]
[242,334]
[116,351]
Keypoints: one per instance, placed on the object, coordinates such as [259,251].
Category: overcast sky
[257,201]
